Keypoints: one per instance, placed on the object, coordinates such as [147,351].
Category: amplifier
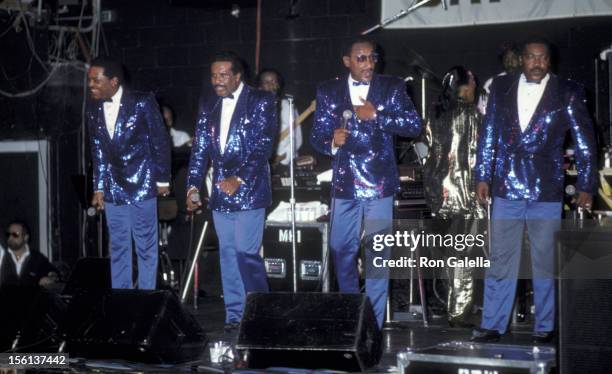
[302,194]
[411,209]
[584,261]
[457,357]
[409,202]
[300,181]
[410,173]
[411,190]
[312,259]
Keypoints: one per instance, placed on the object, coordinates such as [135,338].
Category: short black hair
[454,78]
[163,106]
[536,40]
[229,56]
[25,229]
[348,47]
[507,48]
[112,67]
[279,77]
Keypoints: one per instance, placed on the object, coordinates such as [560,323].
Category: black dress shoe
[542,337]
[485,335]
[231,326]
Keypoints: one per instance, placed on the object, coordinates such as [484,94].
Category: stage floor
[210,314]
[397,336]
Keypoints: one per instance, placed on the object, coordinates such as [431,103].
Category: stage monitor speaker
[30,319]
[90,274]
[136,325]
[585,305]
[309,330]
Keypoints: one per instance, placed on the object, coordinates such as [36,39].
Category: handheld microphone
[91,211]
[195,198]
[346,115]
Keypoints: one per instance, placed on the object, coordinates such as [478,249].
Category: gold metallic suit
[450,192]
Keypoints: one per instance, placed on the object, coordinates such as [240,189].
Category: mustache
[540,70]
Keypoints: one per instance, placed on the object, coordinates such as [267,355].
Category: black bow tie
[356,84]
[107,100]
[230,96]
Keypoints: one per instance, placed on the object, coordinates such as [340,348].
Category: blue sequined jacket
[364,167]
[128,167]
[529,165]
[248,147]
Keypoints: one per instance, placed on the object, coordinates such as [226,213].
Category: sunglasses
[13,234]
[362,58]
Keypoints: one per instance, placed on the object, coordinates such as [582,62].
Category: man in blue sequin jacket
[235,132]
[130,151]
[520,163]
[365,174]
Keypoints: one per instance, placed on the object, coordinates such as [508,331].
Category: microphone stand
[100,235]
[292,189]
[97,215]
[192,274]
[402,13]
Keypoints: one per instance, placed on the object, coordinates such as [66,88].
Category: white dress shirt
[227,111]
[357,92]
[111,111]
[179,138]
[529,95]
[18,261]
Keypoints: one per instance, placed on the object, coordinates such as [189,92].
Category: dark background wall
[166,46]
[52,113]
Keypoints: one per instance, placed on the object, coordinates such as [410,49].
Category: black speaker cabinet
[93,275]
[30,319]
[414,209]
[585,301]
[89,274]
[309,330]
[138,325]
[313,263]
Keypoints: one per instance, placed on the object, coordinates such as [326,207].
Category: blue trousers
[136,221]
[242,268]
[348,219]
[509,219]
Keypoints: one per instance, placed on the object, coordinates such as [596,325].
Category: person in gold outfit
[451,135]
